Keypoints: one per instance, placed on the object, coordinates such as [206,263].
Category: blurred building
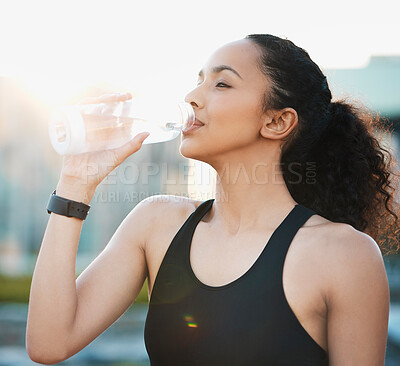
[29,167]
[377,85]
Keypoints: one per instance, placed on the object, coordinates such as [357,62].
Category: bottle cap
[67,130]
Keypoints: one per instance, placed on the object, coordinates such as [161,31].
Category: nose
[193,99]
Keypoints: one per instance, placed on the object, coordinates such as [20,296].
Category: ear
[278,124]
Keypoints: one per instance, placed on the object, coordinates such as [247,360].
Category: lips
[194,126]
[198,123]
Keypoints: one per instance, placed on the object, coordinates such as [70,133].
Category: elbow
[43,359]
[46,356]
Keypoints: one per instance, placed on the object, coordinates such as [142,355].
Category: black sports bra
[245,322]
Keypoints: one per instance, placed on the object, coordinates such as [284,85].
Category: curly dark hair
[334,161]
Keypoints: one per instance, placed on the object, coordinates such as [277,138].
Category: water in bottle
[93,127]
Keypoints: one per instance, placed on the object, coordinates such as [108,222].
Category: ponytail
[334,161]
[348,176]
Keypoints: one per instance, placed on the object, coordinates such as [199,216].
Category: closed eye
[225,85]
[219,85]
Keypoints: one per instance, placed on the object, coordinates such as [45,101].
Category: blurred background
[55,53]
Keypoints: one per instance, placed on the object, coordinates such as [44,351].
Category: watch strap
[67,207]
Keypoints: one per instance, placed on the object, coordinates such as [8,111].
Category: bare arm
[358,302]
[53,299]
[66,315]
[56,299]
[112,282]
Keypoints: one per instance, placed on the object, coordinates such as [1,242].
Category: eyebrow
[219,68]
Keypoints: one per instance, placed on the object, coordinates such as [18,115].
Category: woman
[281,268]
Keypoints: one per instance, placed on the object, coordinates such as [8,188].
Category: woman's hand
[82,173]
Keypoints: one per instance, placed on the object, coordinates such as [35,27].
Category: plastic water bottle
[93,127]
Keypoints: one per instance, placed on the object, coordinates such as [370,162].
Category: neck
[250,193]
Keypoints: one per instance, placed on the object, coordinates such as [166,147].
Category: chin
[191,150]
[187,150]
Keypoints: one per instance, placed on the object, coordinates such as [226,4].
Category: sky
[156,48]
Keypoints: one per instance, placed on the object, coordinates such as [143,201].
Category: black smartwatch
[66,207]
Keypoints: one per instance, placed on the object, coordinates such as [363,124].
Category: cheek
[237,119]
[231,125]
[219,138]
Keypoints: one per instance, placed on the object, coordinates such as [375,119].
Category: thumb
[131,146]
[141,137]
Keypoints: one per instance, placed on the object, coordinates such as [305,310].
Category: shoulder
[159,213]
[342,246]
[338,239]
[339,253]
[351,262]
[346,245]
[157,206]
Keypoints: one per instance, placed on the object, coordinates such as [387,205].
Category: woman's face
[228,102]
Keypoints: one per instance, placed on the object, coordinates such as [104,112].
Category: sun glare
[51,91]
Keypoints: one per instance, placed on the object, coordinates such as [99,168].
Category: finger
[107,98]
[118,97]
[131,146]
